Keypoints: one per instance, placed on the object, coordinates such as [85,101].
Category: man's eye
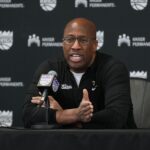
[69,40]
[83,40]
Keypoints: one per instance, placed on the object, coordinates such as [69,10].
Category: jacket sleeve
[117,101]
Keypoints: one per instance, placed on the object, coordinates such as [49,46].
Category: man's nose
[76,45]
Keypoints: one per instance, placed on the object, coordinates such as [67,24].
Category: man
[94,88]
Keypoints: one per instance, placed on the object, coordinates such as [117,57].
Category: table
[74,139]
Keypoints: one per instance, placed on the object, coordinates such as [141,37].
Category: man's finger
[86,107]
[85,95]
[36,101]
[36,97]
[51,98]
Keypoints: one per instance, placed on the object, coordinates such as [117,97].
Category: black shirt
[107,82]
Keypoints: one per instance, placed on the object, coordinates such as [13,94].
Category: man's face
[79,47]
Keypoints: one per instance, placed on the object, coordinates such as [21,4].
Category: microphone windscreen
[52,72]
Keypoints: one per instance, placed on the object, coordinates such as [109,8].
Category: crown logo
[6,40]
[124,39]
[6,34]
[6,118]
[100,39]
[81,2]
[33,39]
[138,74]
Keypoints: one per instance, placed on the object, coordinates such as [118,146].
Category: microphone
[47,84]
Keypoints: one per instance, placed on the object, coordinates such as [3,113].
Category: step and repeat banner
[31,31]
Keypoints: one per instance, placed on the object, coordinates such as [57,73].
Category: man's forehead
[80,27]
[75,25]
[75,28]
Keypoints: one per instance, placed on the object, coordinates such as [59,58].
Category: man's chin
[77,68]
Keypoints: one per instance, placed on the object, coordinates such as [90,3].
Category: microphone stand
[45,125]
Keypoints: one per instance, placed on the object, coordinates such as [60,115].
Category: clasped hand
[83,113]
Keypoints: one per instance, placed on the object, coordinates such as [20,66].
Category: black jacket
[107,81]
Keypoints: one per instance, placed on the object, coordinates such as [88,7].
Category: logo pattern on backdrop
[6,118]
[6,40]
[139,4]
[138,41]
[42,41]
[81,2]
[100,39]
[48,5]
[124,39]
[94,4]
[139,74]
[33,39]
[7,82]
[10,4]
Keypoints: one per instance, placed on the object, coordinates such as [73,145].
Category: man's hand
[85,109]
[37,100]
[83,113]
[53,103]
